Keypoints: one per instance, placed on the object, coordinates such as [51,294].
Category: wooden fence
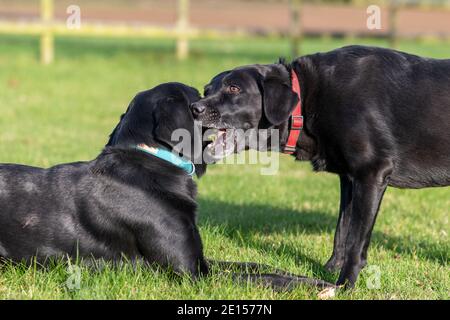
[47,28]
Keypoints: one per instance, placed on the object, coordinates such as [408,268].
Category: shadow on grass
[241,222]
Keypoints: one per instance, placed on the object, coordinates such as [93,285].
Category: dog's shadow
[240,222]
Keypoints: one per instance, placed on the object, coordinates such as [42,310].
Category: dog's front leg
[337,258]
[368,190]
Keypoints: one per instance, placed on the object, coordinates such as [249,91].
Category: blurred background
[68,68]
[216,19]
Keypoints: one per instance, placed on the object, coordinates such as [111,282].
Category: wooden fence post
[47,43]
[182,26]
[295,33]
[393,17]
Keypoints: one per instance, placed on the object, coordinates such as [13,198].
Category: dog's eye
[234,89]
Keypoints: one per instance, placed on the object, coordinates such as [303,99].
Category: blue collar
[168,156]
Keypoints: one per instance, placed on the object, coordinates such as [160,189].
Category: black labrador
[374,116]
[136,200]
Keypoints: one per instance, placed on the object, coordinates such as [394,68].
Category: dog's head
[249,97]
[160,117]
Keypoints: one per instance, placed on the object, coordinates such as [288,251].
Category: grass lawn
[65,111]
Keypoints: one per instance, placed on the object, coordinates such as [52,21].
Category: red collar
[296,118]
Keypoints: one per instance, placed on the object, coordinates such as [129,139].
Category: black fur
[376,117]
[124,203]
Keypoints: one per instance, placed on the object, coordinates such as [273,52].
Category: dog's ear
[279,100]
[170,115]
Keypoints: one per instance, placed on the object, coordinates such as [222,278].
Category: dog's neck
[305,146]
[168,156]
[290,131]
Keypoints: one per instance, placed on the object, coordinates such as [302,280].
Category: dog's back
[399,105]
[36,210]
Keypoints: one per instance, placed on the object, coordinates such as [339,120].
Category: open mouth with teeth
[223,144]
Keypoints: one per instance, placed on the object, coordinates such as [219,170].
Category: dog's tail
[279,280]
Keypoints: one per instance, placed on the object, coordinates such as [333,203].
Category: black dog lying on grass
[136,200]
[376,117]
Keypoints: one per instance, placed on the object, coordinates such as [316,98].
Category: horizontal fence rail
[47,27]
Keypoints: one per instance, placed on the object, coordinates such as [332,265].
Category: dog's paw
[333,265]
[327,293]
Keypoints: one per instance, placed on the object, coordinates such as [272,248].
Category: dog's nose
[198,108]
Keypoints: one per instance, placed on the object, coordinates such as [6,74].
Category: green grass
[65,111]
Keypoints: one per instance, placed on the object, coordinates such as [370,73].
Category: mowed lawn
[64,112]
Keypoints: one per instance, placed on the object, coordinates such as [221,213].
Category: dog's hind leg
[181,252]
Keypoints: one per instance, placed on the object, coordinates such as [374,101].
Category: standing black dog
[376,117]
[136,200]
